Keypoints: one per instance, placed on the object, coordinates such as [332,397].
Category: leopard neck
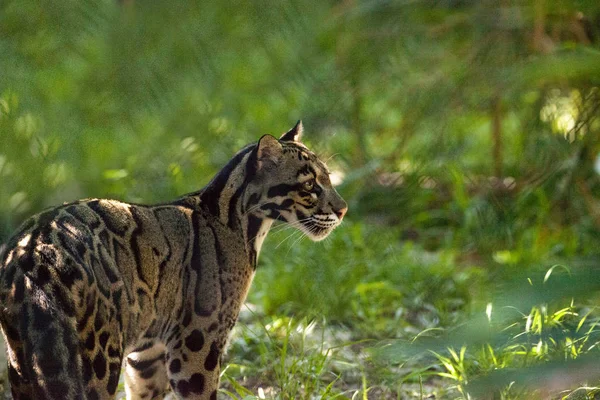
[226,199]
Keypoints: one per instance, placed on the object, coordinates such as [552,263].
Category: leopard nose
[341,212]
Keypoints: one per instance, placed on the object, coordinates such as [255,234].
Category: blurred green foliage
[465,135]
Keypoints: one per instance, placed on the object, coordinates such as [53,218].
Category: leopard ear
[294,134]
[268,151]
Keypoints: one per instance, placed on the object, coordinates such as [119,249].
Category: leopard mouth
[319,227]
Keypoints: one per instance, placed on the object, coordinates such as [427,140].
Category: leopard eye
[308,185]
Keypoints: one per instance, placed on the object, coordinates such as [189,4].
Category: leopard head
[292,185]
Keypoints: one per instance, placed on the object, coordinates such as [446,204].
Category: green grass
[365,278]
[365,315]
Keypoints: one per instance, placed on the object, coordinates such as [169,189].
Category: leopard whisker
[286,239]
[289,225]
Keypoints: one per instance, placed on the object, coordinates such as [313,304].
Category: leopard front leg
[193,364]
[145,372]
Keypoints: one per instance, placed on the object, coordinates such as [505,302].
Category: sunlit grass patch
[517,348]
[366,278]
[286,359]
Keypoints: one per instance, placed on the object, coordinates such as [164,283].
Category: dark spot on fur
[183,387]
[201,311]
[89,311]
[213,327]
[195,340]
[212,359]
[287,203]
[148,373]
[69,273]
[175,366]
[100,365]
[187,318]
[87,368]
[104,339]
[26,262]
[213,395]
[110,273]
[113,380]
[281,190]
[113,352]
[43,275]
[90,342]
[196,383]
[99,320]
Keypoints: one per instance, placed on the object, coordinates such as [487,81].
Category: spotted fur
[89,286]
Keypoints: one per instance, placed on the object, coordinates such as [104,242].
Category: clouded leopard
[86,285]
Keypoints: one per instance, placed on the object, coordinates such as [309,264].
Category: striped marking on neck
[211,196]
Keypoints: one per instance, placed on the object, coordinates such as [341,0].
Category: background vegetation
[464,135]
